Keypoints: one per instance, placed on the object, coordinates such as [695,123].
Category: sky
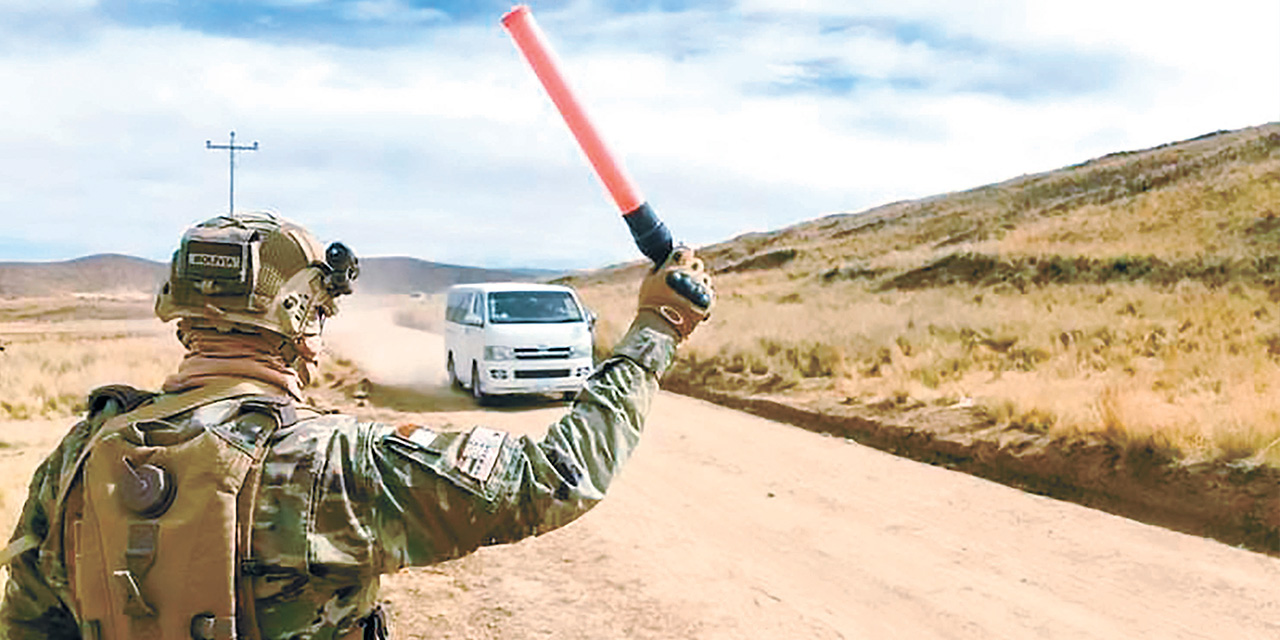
[414,128]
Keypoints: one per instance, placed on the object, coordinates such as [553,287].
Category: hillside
[1207,201]
[1110,266]
[104,273]
[118,274]
[1211,200]
[1106,332]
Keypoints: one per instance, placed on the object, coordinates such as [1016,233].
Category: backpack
[156,514]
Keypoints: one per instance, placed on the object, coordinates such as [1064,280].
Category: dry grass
[133,306]
[57,349]
[1212,215]
[1132,298]
[48,370]
[1190,369]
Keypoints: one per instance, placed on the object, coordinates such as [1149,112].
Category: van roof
[508,286]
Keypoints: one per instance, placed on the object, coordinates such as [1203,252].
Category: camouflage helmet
[253,268]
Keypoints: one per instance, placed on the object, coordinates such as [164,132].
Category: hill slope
[103,273]
[1158,253]
[1212,198]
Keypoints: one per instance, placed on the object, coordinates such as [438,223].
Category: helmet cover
[256,269]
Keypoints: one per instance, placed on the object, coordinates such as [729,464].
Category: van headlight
[499,353]
[580,351]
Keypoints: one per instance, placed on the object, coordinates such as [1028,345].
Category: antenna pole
[231,148]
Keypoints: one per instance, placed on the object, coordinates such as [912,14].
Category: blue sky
[414,128]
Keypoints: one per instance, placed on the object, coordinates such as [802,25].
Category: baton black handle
[651,235]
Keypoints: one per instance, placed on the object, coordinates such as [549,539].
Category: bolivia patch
[480,454]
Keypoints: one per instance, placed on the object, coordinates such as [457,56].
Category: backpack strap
[125,397]
[286,415]
[18,547]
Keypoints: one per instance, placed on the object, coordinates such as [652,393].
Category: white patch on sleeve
[422,437]
[480,454]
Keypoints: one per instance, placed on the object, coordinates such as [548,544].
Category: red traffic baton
[650,234]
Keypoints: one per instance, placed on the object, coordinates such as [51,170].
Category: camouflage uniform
[342,502]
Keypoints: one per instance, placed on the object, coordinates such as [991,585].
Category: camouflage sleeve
[441,496]
[32,606]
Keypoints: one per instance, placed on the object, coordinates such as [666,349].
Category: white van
[516,337]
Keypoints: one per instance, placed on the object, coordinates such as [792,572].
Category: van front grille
[549,353]
[542,373]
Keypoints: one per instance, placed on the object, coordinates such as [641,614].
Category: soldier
[223,507]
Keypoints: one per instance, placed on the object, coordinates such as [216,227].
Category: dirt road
[729,526]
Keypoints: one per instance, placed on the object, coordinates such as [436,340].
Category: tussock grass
[47,370]
[1192,369]
[1226,212]
[1132,298]
[48,374]
[76,307]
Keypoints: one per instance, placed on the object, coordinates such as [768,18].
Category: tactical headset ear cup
[343,268]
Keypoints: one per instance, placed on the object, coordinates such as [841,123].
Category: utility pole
[231,151]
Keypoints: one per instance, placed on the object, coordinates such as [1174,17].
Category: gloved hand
[679,292]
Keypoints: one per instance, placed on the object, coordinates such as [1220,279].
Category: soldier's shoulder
[106,402]
[100,405]
[115,399]
[313,428]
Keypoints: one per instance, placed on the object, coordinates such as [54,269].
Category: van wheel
[477,386]
[454,381]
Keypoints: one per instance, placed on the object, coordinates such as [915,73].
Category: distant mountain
[103,273]
[119,274]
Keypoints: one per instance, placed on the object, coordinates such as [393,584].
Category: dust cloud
[366,333]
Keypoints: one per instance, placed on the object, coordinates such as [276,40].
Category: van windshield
[510,307]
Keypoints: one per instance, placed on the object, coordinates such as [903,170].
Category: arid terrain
[1105,333]
[730,526]
[1102,341]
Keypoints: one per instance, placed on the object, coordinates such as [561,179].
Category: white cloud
[448,150]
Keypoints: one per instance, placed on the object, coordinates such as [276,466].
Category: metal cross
[232,149]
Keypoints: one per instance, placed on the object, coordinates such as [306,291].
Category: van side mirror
[591,319]
[472,319]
